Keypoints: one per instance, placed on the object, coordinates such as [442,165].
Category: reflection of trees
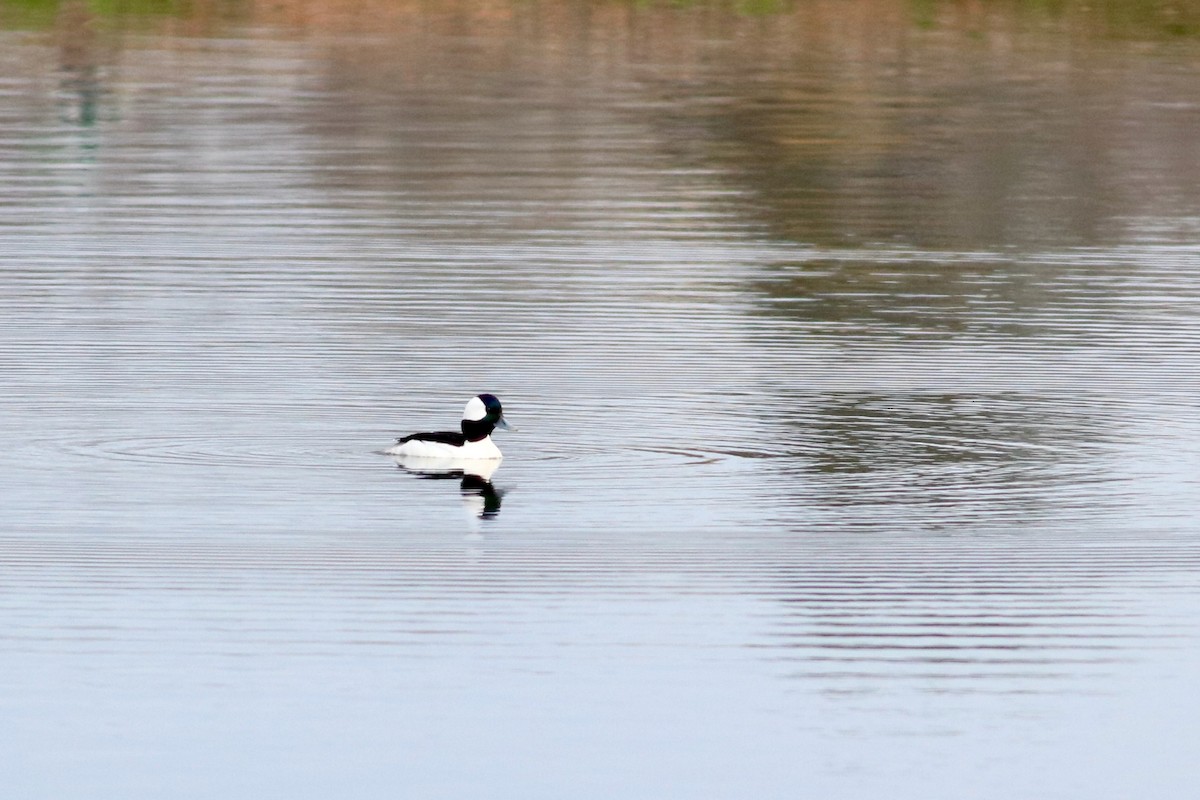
[925,123]
[929,164]
[893,121]
[986,136]
[79,60]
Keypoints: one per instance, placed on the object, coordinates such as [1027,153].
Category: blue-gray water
[855,363]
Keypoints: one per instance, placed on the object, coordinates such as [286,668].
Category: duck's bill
[503,425]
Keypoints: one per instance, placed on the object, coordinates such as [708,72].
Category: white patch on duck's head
[475,410]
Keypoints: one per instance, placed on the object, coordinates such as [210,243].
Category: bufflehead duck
[481,416]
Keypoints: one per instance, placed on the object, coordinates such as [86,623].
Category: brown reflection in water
[919,122]
[965,144]
[847,123]
[80,59]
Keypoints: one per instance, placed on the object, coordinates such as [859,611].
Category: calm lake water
[854,347]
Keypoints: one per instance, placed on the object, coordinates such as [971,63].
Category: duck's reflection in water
[480,498]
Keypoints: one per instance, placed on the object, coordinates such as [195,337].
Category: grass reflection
[45,14]
[1144,19]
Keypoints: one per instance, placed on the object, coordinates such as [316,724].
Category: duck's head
[482,415]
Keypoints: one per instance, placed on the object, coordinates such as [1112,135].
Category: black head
[492,404]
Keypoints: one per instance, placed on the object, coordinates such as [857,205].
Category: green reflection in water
[44,14]
[1145,19]
[28,14]
[1154,19]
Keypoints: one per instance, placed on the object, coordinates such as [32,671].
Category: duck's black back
[444,437]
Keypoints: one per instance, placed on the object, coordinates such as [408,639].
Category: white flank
[415,448]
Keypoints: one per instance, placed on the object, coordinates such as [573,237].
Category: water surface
[852,347]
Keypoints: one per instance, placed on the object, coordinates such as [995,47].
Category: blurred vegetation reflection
[845,124]
[924,123]
[1141,18]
